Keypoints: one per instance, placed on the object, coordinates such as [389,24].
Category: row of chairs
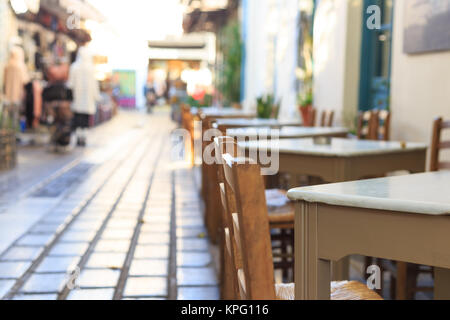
[372,124]
[246,221]
[326,118]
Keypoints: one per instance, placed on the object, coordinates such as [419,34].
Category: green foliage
[267,107]
[306,98]
[205,102]
[230,75]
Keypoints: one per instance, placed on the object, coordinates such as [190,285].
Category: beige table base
[342,169]
[326,233]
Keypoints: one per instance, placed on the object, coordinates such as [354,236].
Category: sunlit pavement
[119,220]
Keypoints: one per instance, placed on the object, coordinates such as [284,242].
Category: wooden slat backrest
[374,125]
[230,260]
[251,228]
[384,125]
[327,118]
[187,122]
[365,125]
[437,145]
[313,117]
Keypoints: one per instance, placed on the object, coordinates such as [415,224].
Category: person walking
[86,93]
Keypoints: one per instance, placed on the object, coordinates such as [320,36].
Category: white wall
[255,51]
[330,28]
[286,58]
[420,87]
[271,53]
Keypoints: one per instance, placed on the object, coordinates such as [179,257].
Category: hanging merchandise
[15,76]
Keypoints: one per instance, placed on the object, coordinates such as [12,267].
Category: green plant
[230,73]
[267,107]
[206,101]
[306,98]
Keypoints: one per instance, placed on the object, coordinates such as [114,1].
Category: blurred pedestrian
[86,93]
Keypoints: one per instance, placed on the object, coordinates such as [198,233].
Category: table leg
[441,284]
[400,283]
[312,275]
[340,269]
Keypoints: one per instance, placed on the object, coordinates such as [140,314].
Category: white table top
[286,132]
[222,112]
[242,123]
[338,148]
[424,193]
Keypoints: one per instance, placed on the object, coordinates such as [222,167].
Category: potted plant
[306,107]
[267,107]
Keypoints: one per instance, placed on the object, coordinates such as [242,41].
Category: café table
[401,218]
[287,132]
[340,160]
[228,123]
[215,112]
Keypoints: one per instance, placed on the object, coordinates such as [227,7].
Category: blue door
[374,91]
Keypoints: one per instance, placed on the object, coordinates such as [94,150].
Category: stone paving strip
[72,208]
[133,231]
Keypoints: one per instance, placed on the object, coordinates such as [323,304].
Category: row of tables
[399,218]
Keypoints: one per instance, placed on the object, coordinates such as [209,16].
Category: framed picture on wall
[427,26]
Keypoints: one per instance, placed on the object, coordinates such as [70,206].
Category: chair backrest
[248,238]
[383,125]
[327,118]
[313,118]
[228,256]
[186,117]
[374,125]
[437,145]
[366,121]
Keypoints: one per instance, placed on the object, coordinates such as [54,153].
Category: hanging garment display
[15,76]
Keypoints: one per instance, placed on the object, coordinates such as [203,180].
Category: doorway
[375,74]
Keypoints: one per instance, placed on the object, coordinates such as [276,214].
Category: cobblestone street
[118,221]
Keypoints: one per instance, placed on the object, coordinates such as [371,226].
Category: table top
[423,193]
[221,112]
[338,147]
[286,132]
[242,123]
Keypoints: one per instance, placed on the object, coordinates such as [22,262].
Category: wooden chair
[383,125]
[437,145]
[248,243]
[327,118]
[187,122]
[279,207]
[374,125]
[313,118]
[366,125]
[210,192]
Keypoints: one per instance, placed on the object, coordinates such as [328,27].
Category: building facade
[357,68]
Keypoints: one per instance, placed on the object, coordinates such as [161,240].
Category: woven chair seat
[344,290]
[281,209]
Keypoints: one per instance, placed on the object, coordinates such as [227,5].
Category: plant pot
[307,115]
